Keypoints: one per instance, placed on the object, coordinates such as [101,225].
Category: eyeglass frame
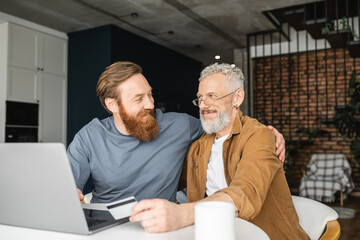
[197,102]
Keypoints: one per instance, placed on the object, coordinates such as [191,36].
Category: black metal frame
[293,80]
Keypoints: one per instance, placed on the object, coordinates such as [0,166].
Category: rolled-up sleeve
[255,170]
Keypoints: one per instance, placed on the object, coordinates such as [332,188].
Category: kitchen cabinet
[52,109]
[23,85]
[37,51]
[34,64]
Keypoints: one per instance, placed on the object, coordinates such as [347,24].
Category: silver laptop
[37,190]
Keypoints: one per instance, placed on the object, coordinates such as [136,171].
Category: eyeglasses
[210,101]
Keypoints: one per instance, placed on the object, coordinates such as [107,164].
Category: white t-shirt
[215,179]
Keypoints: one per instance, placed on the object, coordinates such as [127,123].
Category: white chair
[326,174]
[318,220]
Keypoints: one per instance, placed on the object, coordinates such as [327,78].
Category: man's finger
[148,205]
[282,156]
[280,149]
[142,206]
[143,216]
[150,223]
[81,195]
[279,139]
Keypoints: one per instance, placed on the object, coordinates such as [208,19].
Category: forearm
[159,215]
[188,209]
[222,197]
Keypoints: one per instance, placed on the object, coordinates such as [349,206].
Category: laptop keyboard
[93,222]
[100,219]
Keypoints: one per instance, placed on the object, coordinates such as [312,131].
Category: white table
[128,231]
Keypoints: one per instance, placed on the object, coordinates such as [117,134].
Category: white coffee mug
[214,221]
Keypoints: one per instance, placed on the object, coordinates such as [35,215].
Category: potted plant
[339,36]
[347,119]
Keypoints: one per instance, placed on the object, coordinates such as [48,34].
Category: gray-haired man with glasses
[234,161]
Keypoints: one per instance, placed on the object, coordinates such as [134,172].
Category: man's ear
[112,105]
[239,97]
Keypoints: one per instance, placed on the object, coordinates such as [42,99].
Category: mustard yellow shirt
[255,177]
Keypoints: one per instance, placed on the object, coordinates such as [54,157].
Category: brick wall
[300,91]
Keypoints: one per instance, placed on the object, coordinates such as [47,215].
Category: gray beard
[220,122]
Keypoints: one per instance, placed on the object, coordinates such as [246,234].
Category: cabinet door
[23,85]
[25,47]
[52,125]
[55,55]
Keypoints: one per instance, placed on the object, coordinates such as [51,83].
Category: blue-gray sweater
[121,166]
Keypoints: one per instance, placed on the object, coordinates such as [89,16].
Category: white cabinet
[33,69]
[37,51]
[24,47]
[23,85]
[54,55]
[52,109]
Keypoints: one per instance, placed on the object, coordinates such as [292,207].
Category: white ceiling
[201,28]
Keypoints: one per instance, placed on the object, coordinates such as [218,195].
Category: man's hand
[81,195]
[158,215]
[279,143]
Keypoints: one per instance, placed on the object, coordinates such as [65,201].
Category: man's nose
[149,104]
[203,105]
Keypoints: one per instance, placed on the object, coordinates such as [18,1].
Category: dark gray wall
[173,76]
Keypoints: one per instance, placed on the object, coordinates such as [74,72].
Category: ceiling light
[232,65]
[217,57]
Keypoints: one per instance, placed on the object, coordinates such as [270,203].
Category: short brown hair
[112,77]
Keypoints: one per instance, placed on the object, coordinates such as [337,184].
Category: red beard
[144,130]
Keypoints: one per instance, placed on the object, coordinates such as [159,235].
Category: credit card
[121,209]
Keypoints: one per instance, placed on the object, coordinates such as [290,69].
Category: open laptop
[37,190]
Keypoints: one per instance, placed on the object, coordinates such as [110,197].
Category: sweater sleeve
[79,161]
[254,173]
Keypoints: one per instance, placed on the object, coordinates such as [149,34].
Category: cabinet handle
[38,68]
